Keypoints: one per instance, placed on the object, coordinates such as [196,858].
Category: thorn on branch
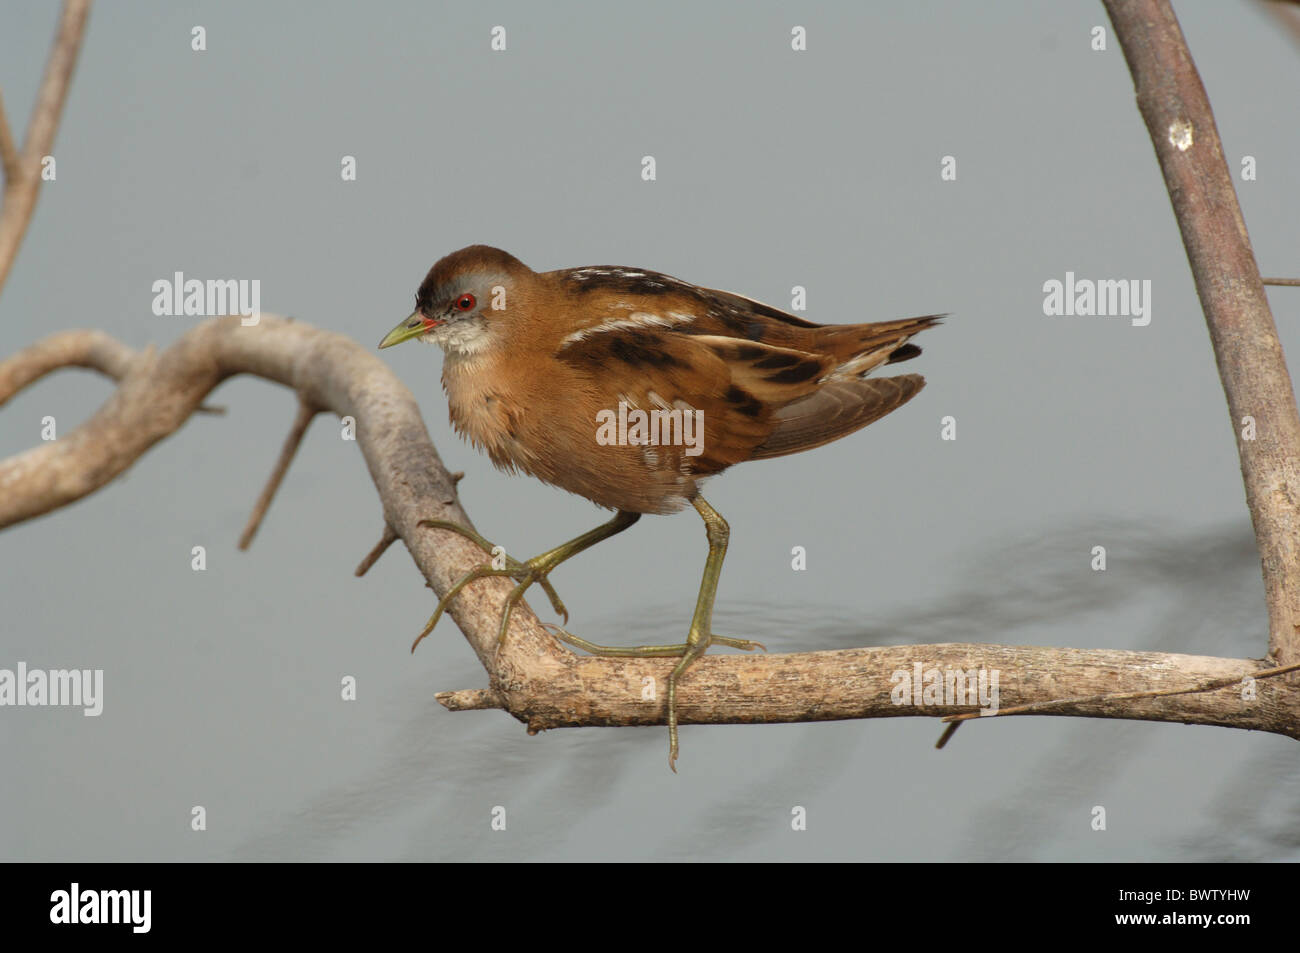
[9,161]
[947,734]
[387,539]
[472,699]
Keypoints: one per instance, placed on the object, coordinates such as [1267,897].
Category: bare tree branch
[23,170]
[94,350]
[1251,365]
[534,677]
[545,685]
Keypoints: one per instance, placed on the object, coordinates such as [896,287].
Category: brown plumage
[525,382]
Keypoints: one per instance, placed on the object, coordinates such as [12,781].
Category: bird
[630,388]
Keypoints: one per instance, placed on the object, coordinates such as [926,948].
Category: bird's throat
[466,338]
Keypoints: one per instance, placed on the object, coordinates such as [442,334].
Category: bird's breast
[488,417]
[548,434]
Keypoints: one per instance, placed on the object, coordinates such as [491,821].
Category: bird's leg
[538,568]
[526,573]
[700,634]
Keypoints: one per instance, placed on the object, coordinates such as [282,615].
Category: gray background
[774,169]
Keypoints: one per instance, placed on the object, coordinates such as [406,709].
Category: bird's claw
[525,574]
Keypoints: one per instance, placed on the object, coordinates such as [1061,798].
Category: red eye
[465,303]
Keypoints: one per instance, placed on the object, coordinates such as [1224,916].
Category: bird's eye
[465,302]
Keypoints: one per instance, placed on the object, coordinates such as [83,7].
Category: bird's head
[461,299]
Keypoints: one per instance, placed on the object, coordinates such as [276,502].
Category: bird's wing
[835,410]
[768,383]
[736,385]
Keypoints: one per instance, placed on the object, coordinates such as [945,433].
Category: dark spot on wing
[748,352]
[637,348]
[744,402]
[779,360]
[904,353]
[804,370]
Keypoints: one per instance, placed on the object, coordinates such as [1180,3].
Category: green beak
[411,327]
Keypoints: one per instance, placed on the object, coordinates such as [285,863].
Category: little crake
[631,388]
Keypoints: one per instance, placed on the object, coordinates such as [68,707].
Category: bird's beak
[411,327]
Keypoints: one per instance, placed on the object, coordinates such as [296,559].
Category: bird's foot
[687,651]
[697,643]
[533,571]
[645,651]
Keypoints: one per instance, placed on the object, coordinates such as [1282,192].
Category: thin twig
[1286,16]
[947,734]
[1284,282]
[8,151]
[387,539]
[23,176]
[291,443]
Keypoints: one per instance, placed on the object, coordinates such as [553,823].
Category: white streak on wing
[637,319]
[613,271]
[582,274]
